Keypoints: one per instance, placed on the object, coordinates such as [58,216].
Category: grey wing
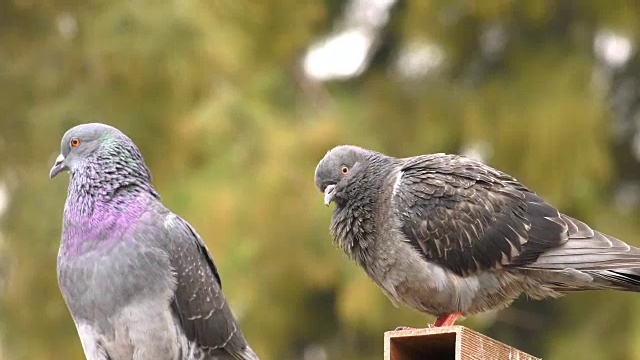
[199,301]
[469,217]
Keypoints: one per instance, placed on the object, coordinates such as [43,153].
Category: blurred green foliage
[214,95]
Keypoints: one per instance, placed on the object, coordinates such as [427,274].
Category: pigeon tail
[229,354]
[573,280]
[619,279]
[233,353]
[248,354]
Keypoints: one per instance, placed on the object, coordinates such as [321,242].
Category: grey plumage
[138,280]
[446,234]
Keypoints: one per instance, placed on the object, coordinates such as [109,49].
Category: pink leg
[447,320]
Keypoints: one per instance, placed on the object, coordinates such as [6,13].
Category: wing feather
[199,301]
[469,217]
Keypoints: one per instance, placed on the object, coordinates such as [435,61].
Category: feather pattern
[469,217]
[138,280]
[446,234]
[199,302]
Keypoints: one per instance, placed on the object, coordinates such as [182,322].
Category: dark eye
[74,142]
[344,170]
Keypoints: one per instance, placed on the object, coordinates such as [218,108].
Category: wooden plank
[447,343]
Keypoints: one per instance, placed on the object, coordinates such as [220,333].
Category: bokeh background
[234,102]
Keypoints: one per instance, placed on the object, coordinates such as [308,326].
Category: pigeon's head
[341,167]
[89,143]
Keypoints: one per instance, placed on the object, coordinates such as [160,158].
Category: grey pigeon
[138,280]
[450,236]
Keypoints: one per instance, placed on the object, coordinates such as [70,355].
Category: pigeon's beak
[58,167]
[329,192]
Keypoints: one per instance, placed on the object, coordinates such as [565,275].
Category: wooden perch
[447,343]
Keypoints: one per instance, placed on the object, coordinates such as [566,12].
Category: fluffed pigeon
[450,236]
[138,280]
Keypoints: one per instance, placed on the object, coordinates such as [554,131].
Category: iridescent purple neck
[101,207]
[93,224]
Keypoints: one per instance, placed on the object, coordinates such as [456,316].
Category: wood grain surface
[447,343]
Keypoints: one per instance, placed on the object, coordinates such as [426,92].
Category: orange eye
[74,142]
[344,170]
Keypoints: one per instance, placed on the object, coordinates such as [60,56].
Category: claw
[400,328]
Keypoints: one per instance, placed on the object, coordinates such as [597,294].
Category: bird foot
[446,320]
[400,328]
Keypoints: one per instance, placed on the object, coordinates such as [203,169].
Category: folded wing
[199,301]
[469,217]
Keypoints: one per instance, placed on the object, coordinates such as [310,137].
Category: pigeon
[138,280]
[450,236]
